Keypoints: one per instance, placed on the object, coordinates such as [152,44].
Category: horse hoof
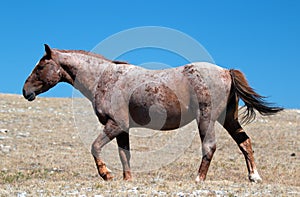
[107,177]
[199,179]
[127,179]
[127,176]
[255,178]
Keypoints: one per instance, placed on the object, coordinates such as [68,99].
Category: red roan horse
[123,96]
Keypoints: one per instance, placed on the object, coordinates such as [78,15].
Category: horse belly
[158,107]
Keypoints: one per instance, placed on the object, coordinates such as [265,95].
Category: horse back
[166,99]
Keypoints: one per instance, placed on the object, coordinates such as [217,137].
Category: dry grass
[43,152]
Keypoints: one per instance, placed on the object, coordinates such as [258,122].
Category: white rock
[21,194]
[180,194]
[4,130]
[74,192]
[199,192]
[220,193]
[5,149]
[23,134]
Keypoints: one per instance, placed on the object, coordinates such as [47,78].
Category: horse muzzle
[29,95]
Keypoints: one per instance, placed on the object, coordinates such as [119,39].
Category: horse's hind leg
[124,153]
[110,131]
[207,135]
[234,128]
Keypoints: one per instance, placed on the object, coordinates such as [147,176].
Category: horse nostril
[30,96]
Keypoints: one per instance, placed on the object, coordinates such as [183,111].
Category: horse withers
[125,96]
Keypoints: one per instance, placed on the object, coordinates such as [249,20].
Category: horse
[124,96]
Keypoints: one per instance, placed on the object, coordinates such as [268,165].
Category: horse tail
[251,99]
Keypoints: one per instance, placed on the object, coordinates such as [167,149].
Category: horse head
[46,74]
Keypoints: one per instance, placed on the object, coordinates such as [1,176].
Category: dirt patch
[43,153]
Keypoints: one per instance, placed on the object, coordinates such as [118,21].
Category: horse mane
[93,55]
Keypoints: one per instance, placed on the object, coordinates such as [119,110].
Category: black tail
[251,99]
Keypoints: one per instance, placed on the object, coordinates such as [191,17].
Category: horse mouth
[29,96]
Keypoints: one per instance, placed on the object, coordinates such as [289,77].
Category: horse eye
[40,67]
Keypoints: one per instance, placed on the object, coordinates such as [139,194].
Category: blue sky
[261,38]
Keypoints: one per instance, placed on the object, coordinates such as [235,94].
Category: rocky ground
[45,151]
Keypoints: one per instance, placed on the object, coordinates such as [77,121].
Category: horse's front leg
[110,131]
[124,153]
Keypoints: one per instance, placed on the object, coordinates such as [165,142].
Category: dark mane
[93,55]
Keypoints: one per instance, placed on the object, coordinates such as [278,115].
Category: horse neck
[83,70]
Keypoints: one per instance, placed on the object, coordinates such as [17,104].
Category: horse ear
[48,51]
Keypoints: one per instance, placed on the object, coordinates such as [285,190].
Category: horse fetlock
[254,177]
[127,176]
[107,176]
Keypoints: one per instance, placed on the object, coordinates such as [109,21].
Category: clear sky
[261,38]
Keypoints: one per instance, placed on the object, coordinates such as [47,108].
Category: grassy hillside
[44,150]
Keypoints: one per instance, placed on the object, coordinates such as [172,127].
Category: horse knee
[213,148]
[98,144]
[95,149]
[209,150]
[208,139]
